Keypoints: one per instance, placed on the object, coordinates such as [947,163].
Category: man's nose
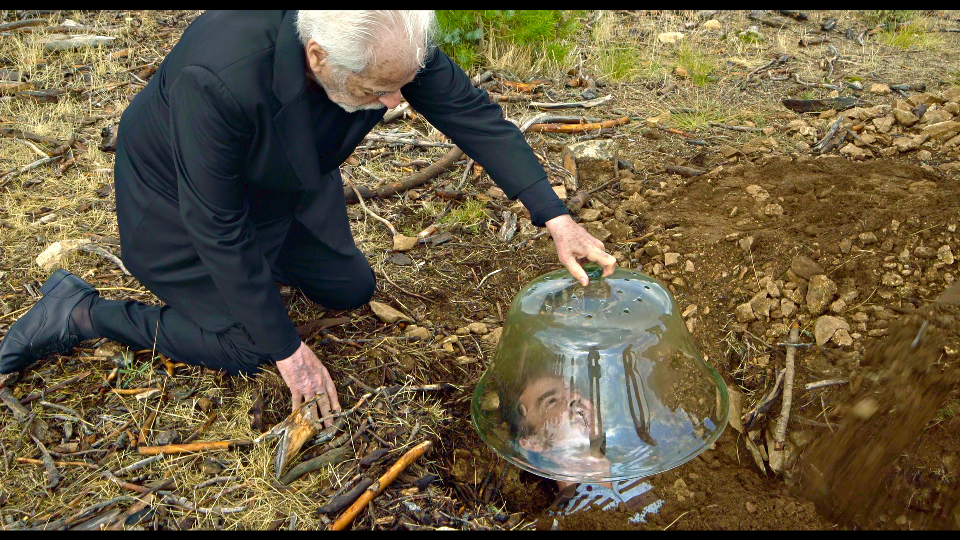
[391,100]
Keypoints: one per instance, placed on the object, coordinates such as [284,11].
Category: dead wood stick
[688,172]
[780,434]
[196,433]
[22,24]
[131,391]
[396,113]
[571,105]
[477,80]
[20,413]
[184,503]
[138,465]
[409,182]
[53,475]
[20,134]
[142,503]
[341,501]
[547,118]
[831,131]
[124,484]
[746,129]
[43,393]
[399,139]
[577,128]
[32,461]
[191,447]
[216,480]
[329,458]
[112,434]
[388,477]
[371,213]
[17,172]
[97,250]
[824,383]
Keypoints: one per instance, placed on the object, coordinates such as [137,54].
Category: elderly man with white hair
[227,181]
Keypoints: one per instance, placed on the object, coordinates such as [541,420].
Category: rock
[712,24]
[601,149]
[905,118]
[414,331]
[805,267]
[884,124]
[826,326]
[842,338]
[758,145]
[758,193]
[67,42]
[838,306]
[924,155]
[907,144]
[618,231]
[210,467]
[951,94]
[477,328]
[671,259]
[404,243]
[892,279]
[597,230]
[744,312]
[926,98]
[773,210]
[401,259]
[388,314]
[167,436]
[820,293]
[681,72]
[853,151]
[787,307]
[635,204]
[879,88]
[865,408]
[561,192]
[941,130]
[589,214]
[746,243]
[728,151]
[945,254]
[490,402]
[925,252]
[751,508]
[631,187]
[56,254]
[494,336]
[868,238]
[670,37]
[464,468]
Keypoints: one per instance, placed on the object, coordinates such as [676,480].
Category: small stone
[905,118]
[941,130]
[853,151]
[618,231]
[891,279]
[670,37]
[945,255]
[838,306]
[867,238]
[210,467]
[842,337]
[414,331]
[689,267]
[758,145]
[712,24]
[773,210]
[826,326]
[728,151]
[744,312]
[805,267]
[494,336]
[751,508]
[671,259]
[404,243]
[401,259]
[589,214]
[691,310]
[477,328]
[746,243]
[846,245]
[865,408]
[879,88]
[388,314]
[57,253]
[597,230]
[167,436]
[787,307]
[820,293]
[681,72]
[490,402]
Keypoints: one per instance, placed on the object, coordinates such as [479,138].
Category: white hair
[353,38]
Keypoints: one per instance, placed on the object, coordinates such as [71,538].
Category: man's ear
[316,56]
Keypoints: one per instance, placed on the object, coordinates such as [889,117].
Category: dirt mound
[905,383]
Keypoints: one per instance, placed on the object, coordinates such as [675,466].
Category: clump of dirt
[905,383]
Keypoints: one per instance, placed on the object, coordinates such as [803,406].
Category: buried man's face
[555,417]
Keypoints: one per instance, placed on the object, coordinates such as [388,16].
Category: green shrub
[462,34]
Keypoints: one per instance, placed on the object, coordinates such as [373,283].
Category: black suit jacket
[223,132]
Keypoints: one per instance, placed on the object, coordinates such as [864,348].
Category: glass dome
[598,383]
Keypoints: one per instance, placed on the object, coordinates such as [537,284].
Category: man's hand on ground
[575,245]
[307,377]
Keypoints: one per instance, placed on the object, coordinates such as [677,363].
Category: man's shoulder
[218,40]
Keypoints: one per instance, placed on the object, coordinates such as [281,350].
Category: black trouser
[326,277]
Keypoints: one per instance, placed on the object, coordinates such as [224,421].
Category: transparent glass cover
[598,383]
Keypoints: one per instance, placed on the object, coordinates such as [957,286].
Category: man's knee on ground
[355,294]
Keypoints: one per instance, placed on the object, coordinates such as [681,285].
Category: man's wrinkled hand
[575,245]
[306,377]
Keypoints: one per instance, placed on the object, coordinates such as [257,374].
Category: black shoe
[46,328]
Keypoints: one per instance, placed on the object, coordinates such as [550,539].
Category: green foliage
[462,33]
[891,17]
[910,35]
[468,214]
[698,65]
[618,64]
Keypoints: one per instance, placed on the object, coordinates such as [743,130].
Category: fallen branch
[482,78]
[191,447]
[333,456]
[824,384]
[399,112]
[409,182]
[577,128]
[17,172]
[780,434]
[138,465]
[339,502]
[136,507]
[766,402]
[412,455]
[371,213]
[97,250]
[184,503]
[20,134]
[53,475]
[831,131]
[571,105]
[32,461]
[399,139]
[746,129]
[688,172]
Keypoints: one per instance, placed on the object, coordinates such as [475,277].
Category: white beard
[353,109]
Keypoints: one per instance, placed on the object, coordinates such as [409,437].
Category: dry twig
[781,432]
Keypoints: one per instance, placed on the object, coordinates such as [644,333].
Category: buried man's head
[361,59]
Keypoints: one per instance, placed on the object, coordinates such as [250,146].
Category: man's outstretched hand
[307,377]
[575,245]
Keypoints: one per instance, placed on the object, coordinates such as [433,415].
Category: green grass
[464,34]
[891,17]
[619,64]
[911,36]
[948,411]
[468,215]
[700,66]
